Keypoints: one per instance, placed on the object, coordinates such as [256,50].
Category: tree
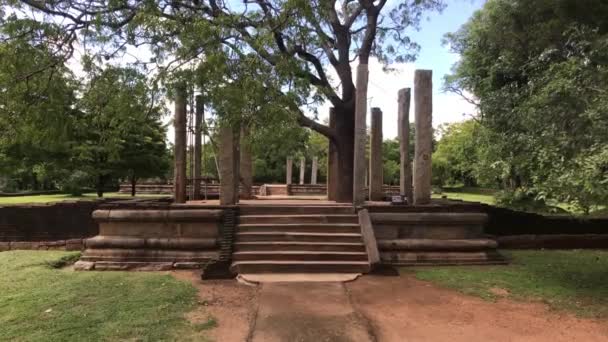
[455,159]
[537,71]
[296,42]
[37,95]
[118,128]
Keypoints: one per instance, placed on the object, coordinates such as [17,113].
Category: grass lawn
[571,280]
[41,303]
[469,197]
[64,197]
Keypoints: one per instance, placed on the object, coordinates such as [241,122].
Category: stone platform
[288,236]
[153,238]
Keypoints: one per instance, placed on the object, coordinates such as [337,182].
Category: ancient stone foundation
[433,235]
[153,239]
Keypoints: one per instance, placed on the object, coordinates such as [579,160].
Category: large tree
[37,95]
[538,72]
[300,43]
[118,130]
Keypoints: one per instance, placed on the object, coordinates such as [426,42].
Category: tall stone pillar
[199,116]
[375,158]
[423,100]
[246,164]
[405,169]
[288,171]
[179,122]
[360,135]
[302,169]
[314,169]
[229,164]
[332,161]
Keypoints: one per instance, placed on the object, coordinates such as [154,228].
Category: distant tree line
[538,73]
[68,133]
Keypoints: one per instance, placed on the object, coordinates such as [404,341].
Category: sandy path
[406,309]
[375,308]
[231,304]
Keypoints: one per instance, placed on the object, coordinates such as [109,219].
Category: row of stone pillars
[235,166]
[415,186]
[289,170]
[235,158]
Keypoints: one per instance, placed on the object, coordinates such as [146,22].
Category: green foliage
[457,154]
[569,280]
[119,133]
[538,71]
[76,183]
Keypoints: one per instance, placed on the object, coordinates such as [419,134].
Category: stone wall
[509,228]
[153,237]
[65,223]
[440,233]
[213,190]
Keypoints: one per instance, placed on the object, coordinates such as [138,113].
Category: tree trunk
[100,182]
[345,141]
[133,183]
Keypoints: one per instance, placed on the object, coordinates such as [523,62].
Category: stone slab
[259,278]
[307,312]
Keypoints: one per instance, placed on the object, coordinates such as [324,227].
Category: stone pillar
[423,101]
[179,122]
[302,169]
[246,164]
[405,169]
[199,116]
[375,157]
[315,167]
[360,135]
[229,164]
[288,171]
[332,161]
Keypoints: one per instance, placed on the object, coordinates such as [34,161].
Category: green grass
[469,197]
[64,197]
[42,303]
[567,280]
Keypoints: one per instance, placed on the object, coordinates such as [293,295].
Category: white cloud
[382,92]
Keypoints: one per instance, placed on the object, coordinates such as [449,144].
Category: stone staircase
[298,239]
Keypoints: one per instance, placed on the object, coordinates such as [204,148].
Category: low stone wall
[442,233]
[212,190]
[516,229]
[505,221]
[553,241]
[153,237]
[62,221]
[66,245]
[307,190]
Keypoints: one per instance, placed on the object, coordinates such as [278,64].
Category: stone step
[300,255]
[294,266]
[295,209]
[302,218]
[295,236]
[299,246]
[300,227]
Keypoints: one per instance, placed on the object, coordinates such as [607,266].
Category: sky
[383,86]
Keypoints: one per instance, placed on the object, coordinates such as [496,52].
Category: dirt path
[374,308]
[232,305]
[307,312]
[406,309]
